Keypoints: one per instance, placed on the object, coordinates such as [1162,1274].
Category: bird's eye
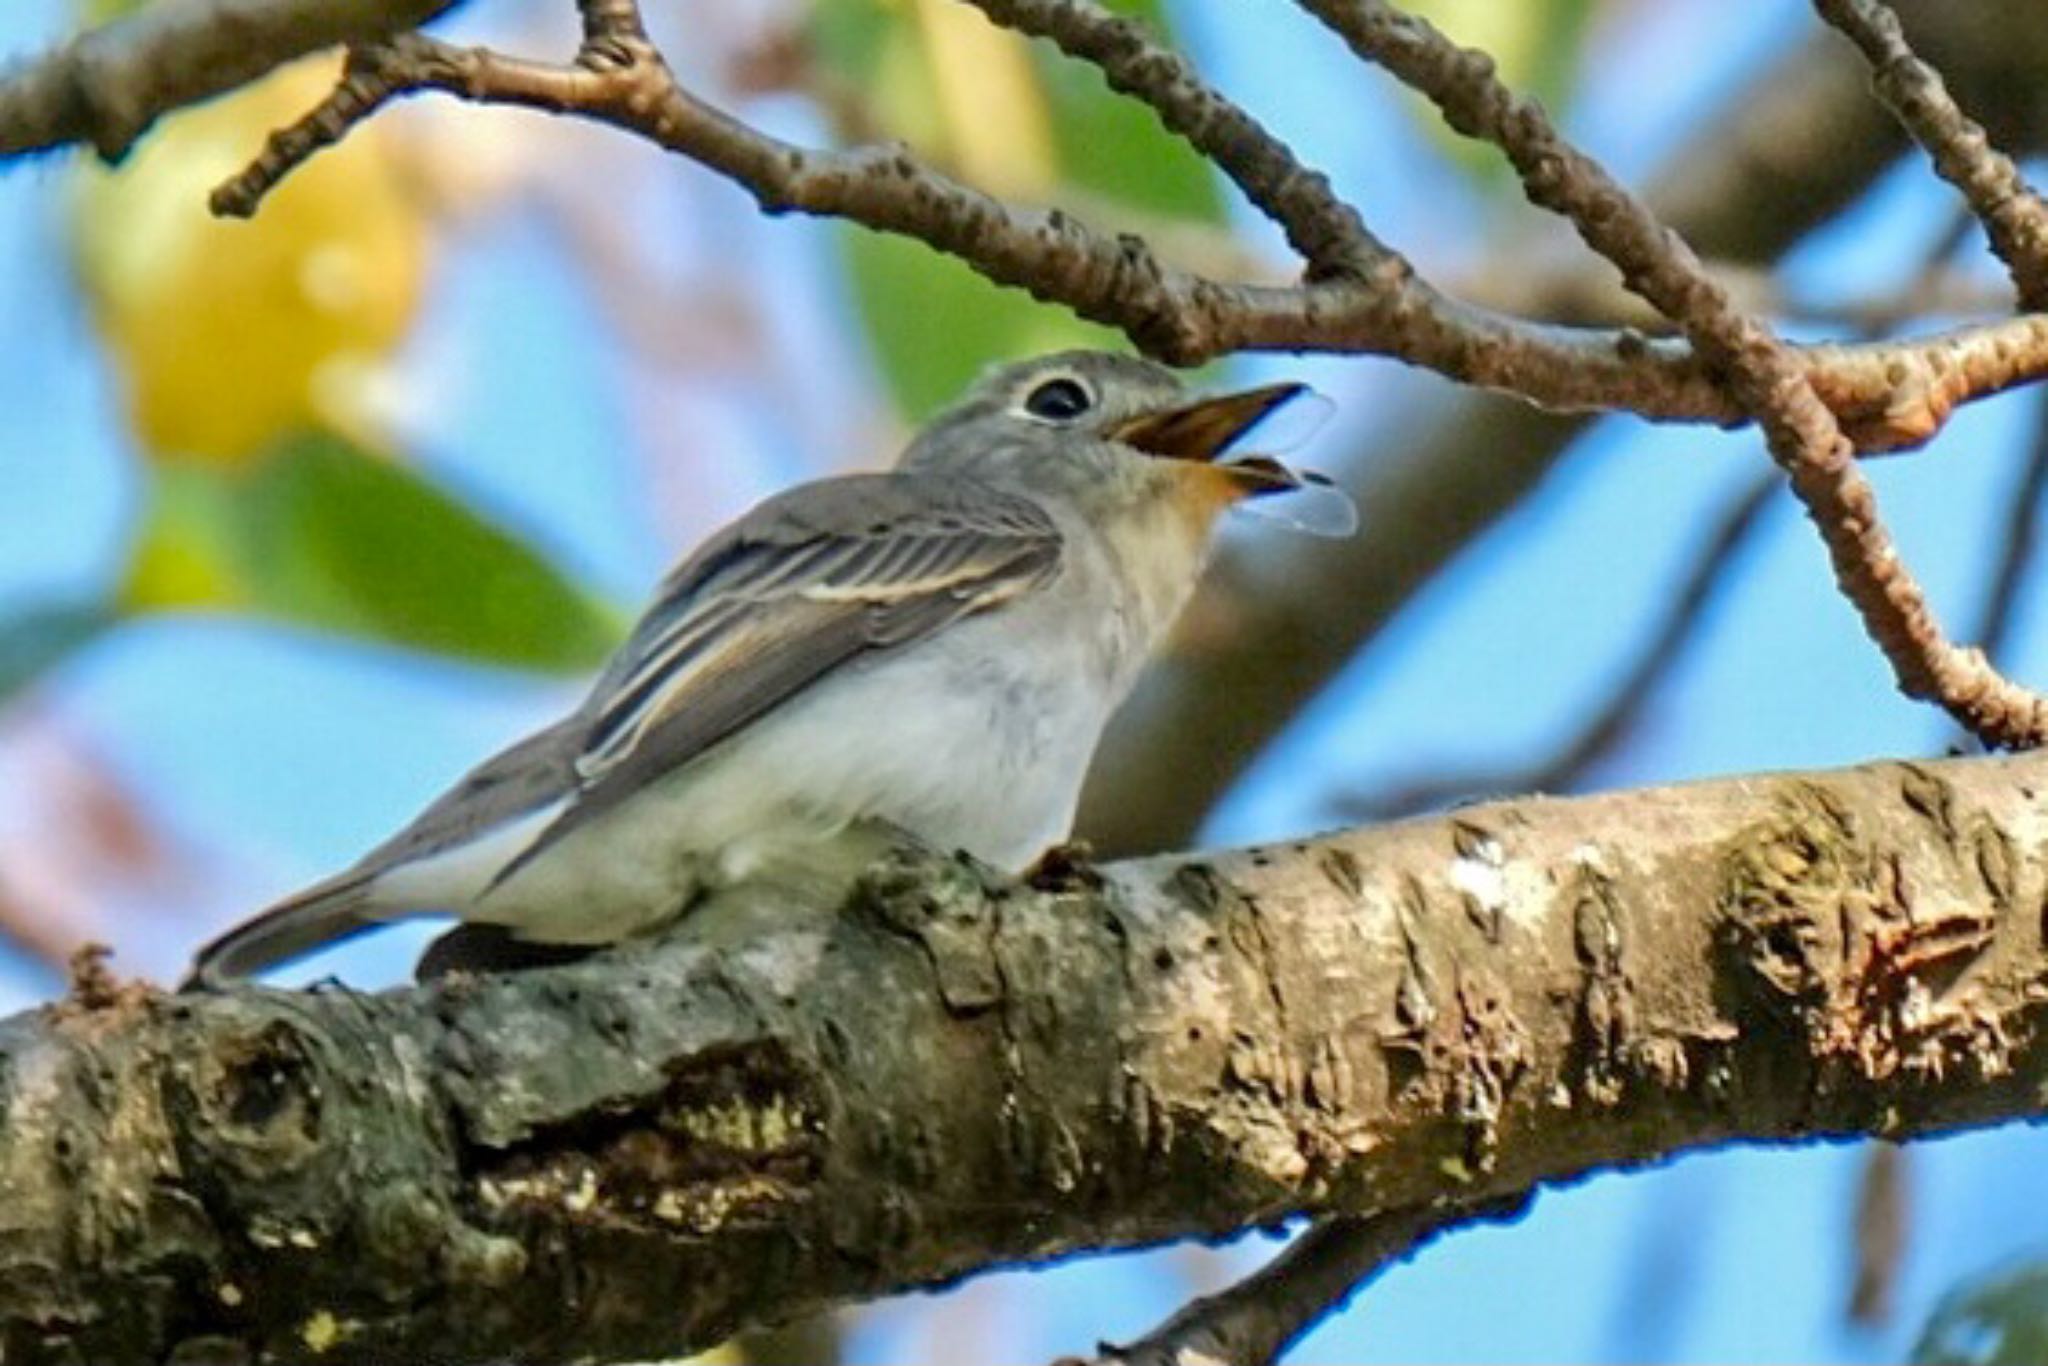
[1058,400]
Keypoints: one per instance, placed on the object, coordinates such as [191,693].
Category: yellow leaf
[227,333]
[996,127]
[1512,34]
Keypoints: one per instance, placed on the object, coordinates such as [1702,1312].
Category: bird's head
[1094,425]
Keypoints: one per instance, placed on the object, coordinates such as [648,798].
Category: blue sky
[282,754]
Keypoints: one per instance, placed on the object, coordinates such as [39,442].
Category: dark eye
[1058,400]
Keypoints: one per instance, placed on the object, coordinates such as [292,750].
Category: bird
[926,655]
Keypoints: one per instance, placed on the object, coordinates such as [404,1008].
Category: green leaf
[1115,147]
[1536,47]
[97,12]
[933,323]
[324,534]
[1997,1320]
[34,641]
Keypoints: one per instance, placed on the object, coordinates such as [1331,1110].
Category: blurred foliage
[244,349]
[1535,44]
[1998,1320]
[229,334]
[39,638]
[101,11]
[1012,117]
[321,533]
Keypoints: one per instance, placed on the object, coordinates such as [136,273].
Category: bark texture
[778,1108]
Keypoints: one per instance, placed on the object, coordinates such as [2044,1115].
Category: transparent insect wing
[1316,508]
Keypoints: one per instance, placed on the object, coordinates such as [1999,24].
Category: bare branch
[108,86]
[1327,233]
[1883,1223]
[1686,612]
[2019,547]
[1252,1322]
[2013,214]
[1889,396]
[1802,434]
[1792,146]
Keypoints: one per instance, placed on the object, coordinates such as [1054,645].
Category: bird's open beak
[1204,429]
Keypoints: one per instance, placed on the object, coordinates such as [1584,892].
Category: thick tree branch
[108,86]
[773,1110]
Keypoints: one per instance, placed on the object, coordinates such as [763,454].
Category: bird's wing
[806,582]
[524,777]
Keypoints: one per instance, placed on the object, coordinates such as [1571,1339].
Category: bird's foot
[1068,866]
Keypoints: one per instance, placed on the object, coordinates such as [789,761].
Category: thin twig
[1882,1231]
[1252,1322]
[2021,546]
[1685,614]
[1796,142]
[2013,215]
[1803,436]
[1328,233]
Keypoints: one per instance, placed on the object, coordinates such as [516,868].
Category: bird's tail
[324,913]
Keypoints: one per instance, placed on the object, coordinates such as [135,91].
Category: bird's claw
[1068,866]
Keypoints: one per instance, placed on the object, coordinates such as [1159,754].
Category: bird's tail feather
[323,914]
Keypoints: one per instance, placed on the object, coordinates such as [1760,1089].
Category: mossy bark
[779,1108]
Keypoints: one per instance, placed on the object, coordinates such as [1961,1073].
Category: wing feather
[804,584]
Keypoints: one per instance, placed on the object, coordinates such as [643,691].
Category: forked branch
[1803,435]
[1357,294]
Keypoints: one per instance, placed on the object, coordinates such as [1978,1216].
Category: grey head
[1095,421]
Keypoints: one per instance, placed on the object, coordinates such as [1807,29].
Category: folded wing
[805,583]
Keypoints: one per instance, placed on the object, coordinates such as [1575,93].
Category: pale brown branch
[2013,214]
[1881,1232]
[1688,608]
[1329,234]
[1791,147]
[1803,435]
[1889,396]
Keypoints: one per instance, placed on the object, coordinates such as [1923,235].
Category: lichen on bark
[781,1107]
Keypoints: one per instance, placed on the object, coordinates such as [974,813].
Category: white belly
[965,741]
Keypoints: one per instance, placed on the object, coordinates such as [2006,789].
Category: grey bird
[928,654]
